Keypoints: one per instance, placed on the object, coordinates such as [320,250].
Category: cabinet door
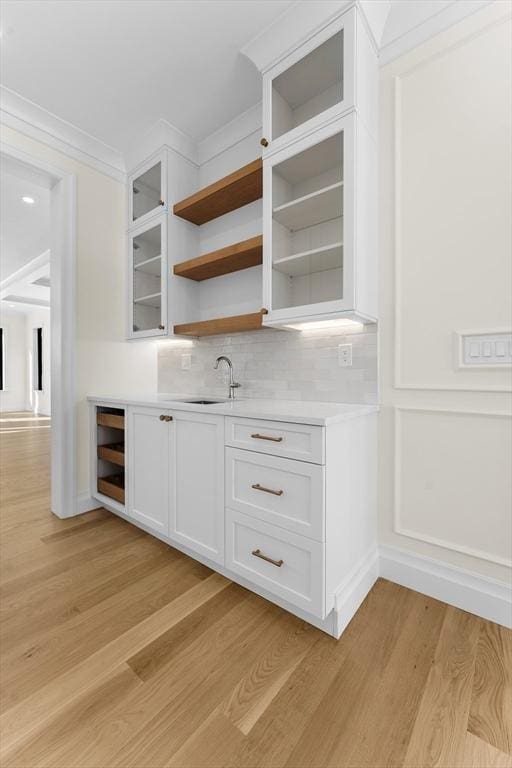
[310,86]
[308,226]
[147,289]
[146,196]
[197,483]
[148,440]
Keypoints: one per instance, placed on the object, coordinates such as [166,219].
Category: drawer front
[282,492]
[279,438]
[289,566]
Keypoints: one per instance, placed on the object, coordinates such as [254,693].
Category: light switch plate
[484,349]
[344,355]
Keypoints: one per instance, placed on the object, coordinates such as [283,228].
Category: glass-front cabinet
[308,227]
[148,279]
[146,191]
[311,85]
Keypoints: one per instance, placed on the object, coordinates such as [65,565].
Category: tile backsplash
[276,364]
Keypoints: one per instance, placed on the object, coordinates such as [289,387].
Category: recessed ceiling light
[27,199]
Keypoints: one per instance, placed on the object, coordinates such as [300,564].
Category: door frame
[63,329]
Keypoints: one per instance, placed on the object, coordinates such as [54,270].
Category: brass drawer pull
[267,437]
[258,487]
[258,553]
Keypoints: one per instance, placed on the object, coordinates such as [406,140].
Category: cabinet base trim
[351,593]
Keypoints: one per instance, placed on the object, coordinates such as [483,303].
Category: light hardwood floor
[120,651]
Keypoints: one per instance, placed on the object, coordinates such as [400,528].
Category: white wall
[39,402]
[105,361]
[13,397]
[445,225]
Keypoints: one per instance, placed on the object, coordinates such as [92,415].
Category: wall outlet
[186,361]
[344,355]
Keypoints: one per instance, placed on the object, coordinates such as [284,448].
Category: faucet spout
[232,384]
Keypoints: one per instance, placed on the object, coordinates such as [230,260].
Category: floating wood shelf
[234,324]
[113,453]
[248,253]
[112,486]
[110,420]
[239,188]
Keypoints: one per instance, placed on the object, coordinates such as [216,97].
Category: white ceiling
[25,229]
[114,68]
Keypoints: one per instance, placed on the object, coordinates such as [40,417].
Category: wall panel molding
[398,526]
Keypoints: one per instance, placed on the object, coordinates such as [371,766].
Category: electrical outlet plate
[344,355]
[483,349]
[186,361]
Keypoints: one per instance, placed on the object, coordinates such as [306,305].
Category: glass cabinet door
[148,280]
[147,192]
[311,85]
[311,192]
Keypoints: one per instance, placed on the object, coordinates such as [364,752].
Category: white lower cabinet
[290,566]
[301,531]
[197,483]
[176,476]
[148,467]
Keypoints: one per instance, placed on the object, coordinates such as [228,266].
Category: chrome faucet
[232,384]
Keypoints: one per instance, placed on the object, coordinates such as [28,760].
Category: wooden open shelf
[248,253]
[112,486]
[110,420]
[113,453]
[239,188]
[234,324]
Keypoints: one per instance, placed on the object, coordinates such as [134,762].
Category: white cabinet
[320,179]
[197,483]
[146,185]
[147,279]
[311,85]
[176,477]
[148,467]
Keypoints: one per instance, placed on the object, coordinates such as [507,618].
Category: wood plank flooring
[117,650]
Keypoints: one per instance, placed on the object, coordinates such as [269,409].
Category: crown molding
[161,134]
[429,27]
[34,121]
[232,133]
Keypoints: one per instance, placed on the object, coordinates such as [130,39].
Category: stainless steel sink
[203,402]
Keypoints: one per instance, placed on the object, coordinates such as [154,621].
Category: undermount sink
[204,402]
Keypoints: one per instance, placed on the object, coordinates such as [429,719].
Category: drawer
[279,438]
[289,566]
[282,492]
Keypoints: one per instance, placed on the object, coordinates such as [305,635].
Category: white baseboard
[85,503]
[354,589]
[487,598]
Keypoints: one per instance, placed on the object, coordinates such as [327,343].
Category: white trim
[26,270]
[63,330]
[351,593]
[230,134]
[426,538]
[86,503]
[482,596]
[32,120]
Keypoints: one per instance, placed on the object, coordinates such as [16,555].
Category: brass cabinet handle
[161,202]
[258,487]
[267,437]
[168,418]
[259,553]
[264,142]
[162,417]
[161,327]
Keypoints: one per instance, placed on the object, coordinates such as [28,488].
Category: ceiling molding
[36,122]
[161,134]
[28,288]
[429,27]
[232,133]
[38,265]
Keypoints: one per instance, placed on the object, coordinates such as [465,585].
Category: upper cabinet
[319,179]
[147,265]
[311,85]
[146,190]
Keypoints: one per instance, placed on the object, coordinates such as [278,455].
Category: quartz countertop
[295,411]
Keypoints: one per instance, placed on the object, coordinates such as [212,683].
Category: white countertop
[295,411]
